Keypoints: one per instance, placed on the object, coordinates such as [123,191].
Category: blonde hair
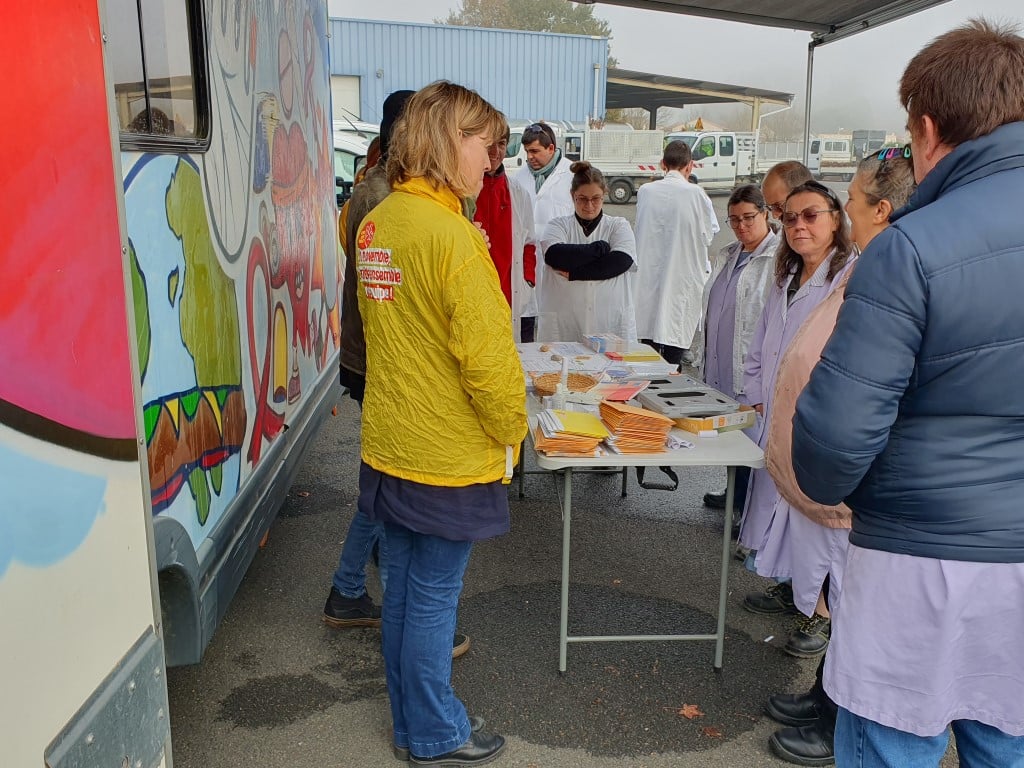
[428,135]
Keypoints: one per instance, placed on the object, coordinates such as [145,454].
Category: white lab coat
[675,224]
[569,310]
[553,200]
[524,295]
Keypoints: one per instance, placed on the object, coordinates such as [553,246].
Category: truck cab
[720,158]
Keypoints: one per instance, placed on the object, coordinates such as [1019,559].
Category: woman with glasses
[589,264]
[731,305]
[815,541]
[814,253]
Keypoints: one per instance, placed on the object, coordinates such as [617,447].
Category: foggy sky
[855,80]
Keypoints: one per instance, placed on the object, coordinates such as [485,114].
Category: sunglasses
[810,215]
[534,131]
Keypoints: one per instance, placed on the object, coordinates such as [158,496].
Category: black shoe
[476,724]
[793,708]
[341,611]
[460,644]
[715,500]
[778,598]
[806,745]
[480,749]
[809,637]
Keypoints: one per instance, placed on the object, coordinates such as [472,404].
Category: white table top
[727,449]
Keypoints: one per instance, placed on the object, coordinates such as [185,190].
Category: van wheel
[692,179]
[620,191]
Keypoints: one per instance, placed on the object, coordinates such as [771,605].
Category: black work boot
[805,745]
[809,637]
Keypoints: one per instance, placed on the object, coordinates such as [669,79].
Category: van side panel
[236,285]
[76,594]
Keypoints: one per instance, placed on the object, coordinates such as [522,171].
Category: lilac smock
[919,642]
[775,330]
[721,328]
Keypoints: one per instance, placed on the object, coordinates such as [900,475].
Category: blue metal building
[531,75]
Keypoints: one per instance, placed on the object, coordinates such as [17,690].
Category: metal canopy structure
[628,89]
[826,21]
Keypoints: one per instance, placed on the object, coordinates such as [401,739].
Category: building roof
[627,88]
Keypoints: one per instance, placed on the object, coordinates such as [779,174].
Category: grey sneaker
[343,612]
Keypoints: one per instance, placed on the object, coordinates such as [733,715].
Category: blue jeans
[862,743]
[350,578]
[418,625]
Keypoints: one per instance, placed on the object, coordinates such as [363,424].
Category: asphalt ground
[277,688]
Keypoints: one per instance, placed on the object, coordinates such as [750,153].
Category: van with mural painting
[170,333]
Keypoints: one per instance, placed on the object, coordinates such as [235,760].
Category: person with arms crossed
[589,263]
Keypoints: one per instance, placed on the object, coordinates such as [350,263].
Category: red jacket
[494,213]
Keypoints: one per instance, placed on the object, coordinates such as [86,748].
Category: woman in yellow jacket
[444,409]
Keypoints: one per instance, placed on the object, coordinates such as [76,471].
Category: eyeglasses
[810,215]
[746,219]
[588,200]
[777,209]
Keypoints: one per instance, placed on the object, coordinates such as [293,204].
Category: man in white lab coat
[675,224]
[546,178]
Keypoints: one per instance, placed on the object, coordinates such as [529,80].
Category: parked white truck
[723,159]
[841,153]
[627,158]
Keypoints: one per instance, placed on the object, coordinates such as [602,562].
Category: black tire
[620,192]
[693,179]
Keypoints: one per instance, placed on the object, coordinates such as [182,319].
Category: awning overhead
[825,21]
[628,89]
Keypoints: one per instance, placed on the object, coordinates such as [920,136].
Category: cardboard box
[741,419]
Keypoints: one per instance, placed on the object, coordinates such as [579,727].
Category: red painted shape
[63,325]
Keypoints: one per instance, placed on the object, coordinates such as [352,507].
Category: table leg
[563,627]
[730,489]
[625,477]
[522,467]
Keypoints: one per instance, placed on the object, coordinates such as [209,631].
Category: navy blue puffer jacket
[915,414]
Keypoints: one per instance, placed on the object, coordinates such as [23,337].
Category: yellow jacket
[445,393]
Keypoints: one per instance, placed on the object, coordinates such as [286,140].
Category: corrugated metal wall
[527,75]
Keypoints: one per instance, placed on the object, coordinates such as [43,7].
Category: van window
[155,62]
[815,146]
[725,146]
[515,142]
[705,148]
[573,149]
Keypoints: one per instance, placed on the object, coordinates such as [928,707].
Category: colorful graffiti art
[187,330]
[235,274]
